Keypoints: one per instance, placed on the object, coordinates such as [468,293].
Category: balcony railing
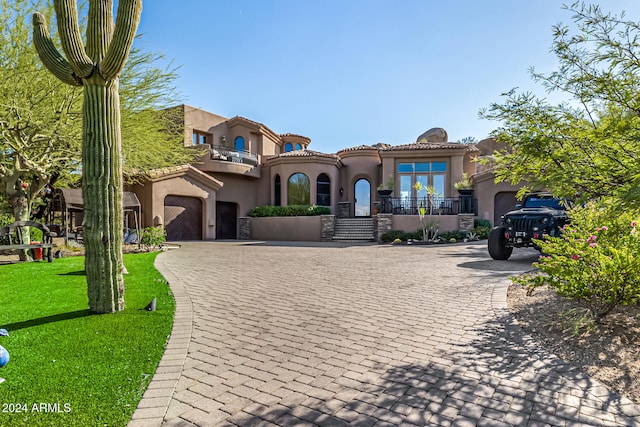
[440,205]
[224,154]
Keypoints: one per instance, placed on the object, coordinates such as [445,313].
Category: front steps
[352,230]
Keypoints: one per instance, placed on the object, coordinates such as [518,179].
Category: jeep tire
[497,245]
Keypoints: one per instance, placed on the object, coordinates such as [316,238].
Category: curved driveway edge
[152,408]
[305,334]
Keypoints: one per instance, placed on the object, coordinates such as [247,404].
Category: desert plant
[464,183]
[153,237]
[389,185]
[96,67]
[593,261]
[430,227]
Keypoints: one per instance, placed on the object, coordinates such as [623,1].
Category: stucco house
[247,165]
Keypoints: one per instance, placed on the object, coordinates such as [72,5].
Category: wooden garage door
[183,218]
[503,202]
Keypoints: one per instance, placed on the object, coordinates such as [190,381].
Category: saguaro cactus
[96,67]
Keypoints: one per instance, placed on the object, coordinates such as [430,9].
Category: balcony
[226,155]
[440,206]
[222,160]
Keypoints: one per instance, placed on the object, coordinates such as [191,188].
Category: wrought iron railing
[224,154]
[438,205]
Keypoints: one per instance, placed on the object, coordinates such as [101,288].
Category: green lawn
[69,367]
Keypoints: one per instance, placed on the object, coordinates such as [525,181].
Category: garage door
[503,202]
[183,218]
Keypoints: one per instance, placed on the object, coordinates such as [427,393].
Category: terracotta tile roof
[284,135]
[431,146]
[308,153]
[359,148]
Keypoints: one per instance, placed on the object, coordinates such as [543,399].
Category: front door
[226,220]
[363,198]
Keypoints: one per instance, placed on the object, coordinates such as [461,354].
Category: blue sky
[351,72]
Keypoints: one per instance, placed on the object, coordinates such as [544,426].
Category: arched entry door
[363,198]
[183,218]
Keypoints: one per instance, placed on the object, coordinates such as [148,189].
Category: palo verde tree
[39,133]
[588,146]
[96,67]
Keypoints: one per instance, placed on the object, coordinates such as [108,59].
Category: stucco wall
[152,196]
[359,164]
[311,168]
[240,190]
[290,228]
[196,118]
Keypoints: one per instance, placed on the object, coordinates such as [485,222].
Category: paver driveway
[319,334]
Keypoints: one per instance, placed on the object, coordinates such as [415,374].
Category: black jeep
[540,215]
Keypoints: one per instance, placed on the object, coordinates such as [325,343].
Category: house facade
[246,164]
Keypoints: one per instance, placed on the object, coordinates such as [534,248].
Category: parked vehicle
[540,215]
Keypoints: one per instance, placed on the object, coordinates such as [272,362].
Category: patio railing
[224,154]
[440,205]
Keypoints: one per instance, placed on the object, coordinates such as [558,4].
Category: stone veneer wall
[245,228]
[343,209]
[382,224]
[328,227]
[465,222]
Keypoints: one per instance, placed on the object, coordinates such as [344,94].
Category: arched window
[298,147]
[277,191]
[288,147]
[238,144]
[323,190]
[298,190]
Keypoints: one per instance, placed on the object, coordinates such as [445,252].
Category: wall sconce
[341,191]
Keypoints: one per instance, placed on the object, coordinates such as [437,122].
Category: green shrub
[446,236]
[392,235]
[482,231]
[481,223]
[153,237]
[594,261]
[291,210]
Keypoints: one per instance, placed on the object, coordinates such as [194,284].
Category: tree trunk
[21,206]
[102,193]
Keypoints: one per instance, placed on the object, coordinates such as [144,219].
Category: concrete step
[353,230]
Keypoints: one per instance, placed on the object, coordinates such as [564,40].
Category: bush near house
[480,231]
[392,235]
[291,210]
[594,260]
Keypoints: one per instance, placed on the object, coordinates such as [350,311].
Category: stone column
[343,209]
[328,223]
[383,224]
[465,222]
[245,228]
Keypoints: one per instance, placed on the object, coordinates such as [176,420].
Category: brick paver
[327,335]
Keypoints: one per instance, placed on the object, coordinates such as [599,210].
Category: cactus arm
[126,25]
[99,29]
[70,38]
[48,53]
